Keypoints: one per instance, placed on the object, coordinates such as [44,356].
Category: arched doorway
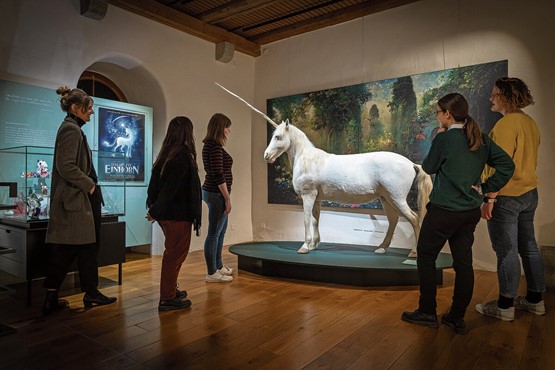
[100,86]
[119,80]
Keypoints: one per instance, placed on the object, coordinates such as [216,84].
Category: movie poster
[121,145]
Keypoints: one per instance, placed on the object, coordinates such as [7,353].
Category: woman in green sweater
[457,158]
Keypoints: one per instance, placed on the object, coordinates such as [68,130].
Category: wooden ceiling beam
[330,19]
[287,16]
[234,9]
[164,14]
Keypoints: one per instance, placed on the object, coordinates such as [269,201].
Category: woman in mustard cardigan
[511,217]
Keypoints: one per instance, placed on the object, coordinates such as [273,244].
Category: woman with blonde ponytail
[457,158]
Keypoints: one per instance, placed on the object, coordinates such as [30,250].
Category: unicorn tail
[425,185]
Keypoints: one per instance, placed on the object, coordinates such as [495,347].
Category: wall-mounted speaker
[224,51]
[94,9]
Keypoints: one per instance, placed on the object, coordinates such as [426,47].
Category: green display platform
[346,264]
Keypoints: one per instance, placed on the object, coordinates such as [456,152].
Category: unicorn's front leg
[308,204]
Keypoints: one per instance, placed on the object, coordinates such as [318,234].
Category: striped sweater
[217,164]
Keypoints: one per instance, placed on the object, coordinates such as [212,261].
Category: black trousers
[63,255]
[457,227]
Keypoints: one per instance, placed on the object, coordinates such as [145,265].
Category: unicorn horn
[250,106]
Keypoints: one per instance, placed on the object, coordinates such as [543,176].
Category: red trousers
[178,241]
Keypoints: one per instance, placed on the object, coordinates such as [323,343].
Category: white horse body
[360,177]
[354,179]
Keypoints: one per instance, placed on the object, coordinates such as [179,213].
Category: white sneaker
[217,277]
[493,310]
[226,270]
[536,308]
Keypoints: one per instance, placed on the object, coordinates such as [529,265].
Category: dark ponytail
[473,134]
[457,105]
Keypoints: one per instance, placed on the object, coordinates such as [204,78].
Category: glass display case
[28,168]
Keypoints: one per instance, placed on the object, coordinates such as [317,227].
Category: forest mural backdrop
[396,114]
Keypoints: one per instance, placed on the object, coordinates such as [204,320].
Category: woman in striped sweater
[216,193]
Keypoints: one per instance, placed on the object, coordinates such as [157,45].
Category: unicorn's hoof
[413,254]
[380,251]
[303,250]
[312,247]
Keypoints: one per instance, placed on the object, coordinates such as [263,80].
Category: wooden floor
[263,323]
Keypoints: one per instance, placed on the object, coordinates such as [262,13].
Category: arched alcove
[134,84]
[100,86]
[139,87]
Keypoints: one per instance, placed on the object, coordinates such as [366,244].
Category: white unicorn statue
[352,178]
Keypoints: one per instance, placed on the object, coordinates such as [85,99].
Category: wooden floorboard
[260,322]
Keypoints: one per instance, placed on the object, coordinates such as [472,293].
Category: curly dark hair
[514,92]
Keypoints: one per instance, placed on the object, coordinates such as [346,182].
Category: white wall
[48,43]
[425,36]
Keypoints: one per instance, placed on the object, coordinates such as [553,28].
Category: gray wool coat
[71,218]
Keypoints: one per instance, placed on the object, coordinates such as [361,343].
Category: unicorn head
[281,140]
[280,143]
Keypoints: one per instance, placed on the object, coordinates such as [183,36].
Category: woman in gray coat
[74,225]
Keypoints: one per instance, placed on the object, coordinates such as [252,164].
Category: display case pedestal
[30,258]
[5,329]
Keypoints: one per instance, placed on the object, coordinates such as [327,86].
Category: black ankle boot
[181,294]
[97,298]
[420,318]
[174,304]
[52,303]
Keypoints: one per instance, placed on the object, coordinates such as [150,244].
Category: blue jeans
[511,230]
[217,226]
